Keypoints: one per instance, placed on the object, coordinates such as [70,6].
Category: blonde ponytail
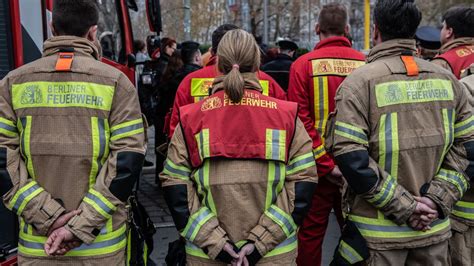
[237,53]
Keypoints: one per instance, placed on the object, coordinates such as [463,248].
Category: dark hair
[74,17]
[219,33]
[174,64]
[397,19]
[166,42]
[333,19]
[188,51]
[461,20]
[138,46]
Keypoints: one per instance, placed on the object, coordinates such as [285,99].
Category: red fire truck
[24,25]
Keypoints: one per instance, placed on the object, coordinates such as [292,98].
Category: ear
[92,34]
[52,28]
[449,33]
[376,35]
[347,30]
[317,29]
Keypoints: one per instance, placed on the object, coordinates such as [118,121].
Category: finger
[55,245]
[49,243]
[418,199]
[246,262]
[61,252]
[232,253]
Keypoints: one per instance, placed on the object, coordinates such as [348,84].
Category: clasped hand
[241,257]
[425,213]
[60,240]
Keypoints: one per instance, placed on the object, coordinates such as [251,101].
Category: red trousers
[311,233]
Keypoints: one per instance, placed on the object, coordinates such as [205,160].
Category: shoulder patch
[335,66]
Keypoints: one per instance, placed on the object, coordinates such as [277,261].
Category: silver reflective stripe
[321,104]
[23,123]
[388,144]
[175,170]
[299,163]
[8,127]
[196,222]
[454,177]
[351,132]
[275,144]
[287,242]
[390,228]
[99,202]
[463,209]
[386,192]
[95,245]
[23,196]
[352,258]
[466,126]
[127,129]
[276,181]
[102,141]
[282,218]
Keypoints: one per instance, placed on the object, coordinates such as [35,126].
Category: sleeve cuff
[401,207]
[214,250]
[47,215]
[77,227]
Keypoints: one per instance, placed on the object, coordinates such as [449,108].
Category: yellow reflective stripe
[102,245]
[464,127]
[23,196]
[275,182]
[321,103]
[97,208]
[319,152]
[25,144]
[8,128]
[351,132]
[195,222]
[300,163]
[454,178]
[389,144]
[62,95]
[415,91]
[95,151]
[126,129]
[129,247]
[448,123]
[202,139]
[348,253]
[385,195]
[265,87]
[384,228]
[275,145]
[174,170]
[200,87]
[464,210]
[281,218]
[103,199]
[208,201]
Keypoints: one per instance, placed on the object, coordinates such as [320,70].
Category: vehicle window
[109,30]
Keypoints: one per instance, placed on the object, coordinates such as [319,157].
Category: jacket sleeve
[125,133]
[21,193]
[195,222]
[282,217]
[452,180]
[350,137]
[182,98]
[298,91]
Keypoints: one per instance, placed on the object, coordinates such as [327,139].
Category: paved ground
[151,198]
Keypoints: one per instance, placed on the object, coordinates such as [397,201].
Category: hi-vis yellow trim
[319,152]
[8,128]
[335,66]
[62,95]
[24,124]
[384,228]
[200,87]
[464,127]
[23,196]
[202,139]
[104,244]
[413,91]
[349,253]
[351,132]
[275,182]
[275,145]
[321,104]
[464,210]
[126,129]
[101,204]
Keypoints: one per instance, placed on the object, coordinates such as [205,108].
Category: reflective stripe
[174,170]
[100,147]
[464,127]
[464,210]
[388,144]
[448,122]
[62,95]
[100,203]
[275,145]
[25,144]
[265,87]
[23,196]
[200,88]
[275,182]
[348,253]
[289,244]
[282,219]
[103,244]
[321,103]
[299,163]
[383,228]
[319,152]
[8,128]
[351,132]
[204,187]
[202,139]
[127,129]
[454,178]
[196,221]
[380,199]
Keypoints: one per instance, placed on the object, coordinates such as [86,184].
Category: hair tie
[236,66]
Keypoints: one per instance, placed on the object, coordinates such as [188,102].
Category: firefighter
[279,68]
[195,86]
[457,39]
[314,79]
[403,138]
[71,147]
[236,195]
[427,42]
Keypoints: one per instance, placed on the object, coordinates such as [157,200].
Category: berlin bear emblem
[393,94]
[32,95]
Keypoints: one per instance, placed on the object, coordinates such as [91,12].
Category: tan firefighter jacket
[403,128]
[70,139]
[236,192]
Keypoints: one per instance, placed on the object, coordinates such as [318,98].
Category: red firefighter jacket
[314,79]
[459,55]
[195,87]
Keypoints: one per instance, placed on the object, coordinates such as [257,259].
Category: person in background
[457,38]
[141,53]
[240,172]
[314,79]
[279,68]
[427,42]
[206,57]
[195,86]
[403,138]
[167,48]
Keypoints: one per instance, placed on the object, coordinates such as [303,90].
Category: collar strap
[64,62]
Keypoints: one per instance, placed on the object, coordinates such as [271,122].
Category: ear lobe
[52,28]
[92,33]
[318,29]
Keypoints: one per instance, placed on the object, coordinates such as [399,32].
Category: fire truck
[24,26]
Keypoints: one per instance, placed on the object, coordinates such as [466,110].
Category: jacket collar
[333,41]
[391,48]
[456,43]
[81,46]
